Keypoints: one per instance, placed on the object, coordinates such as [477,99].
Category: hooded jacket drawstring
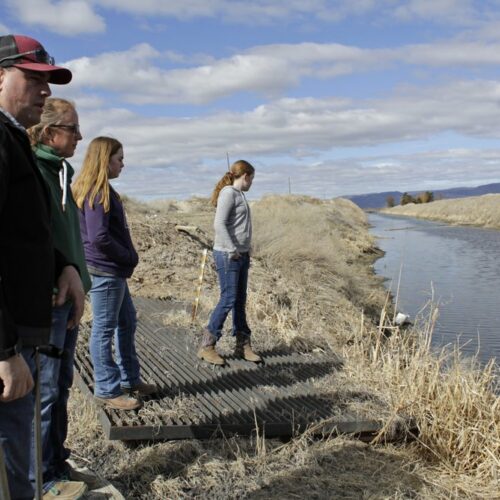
[63,182]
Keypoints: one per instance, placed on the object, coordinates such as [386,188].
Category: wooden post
[200,282]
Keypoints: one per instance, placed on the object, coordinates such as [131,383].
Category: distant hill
[378,200]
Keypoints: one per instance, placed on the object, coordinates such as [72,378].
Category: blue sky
[342,97]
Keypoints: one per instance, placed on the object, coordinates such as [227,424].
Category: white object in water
[401,319]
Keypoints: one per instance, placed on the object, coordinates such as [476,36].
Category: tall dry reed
[452,399]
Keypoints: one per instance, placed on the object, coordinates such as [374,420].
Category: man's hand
[71,288]
[16,378]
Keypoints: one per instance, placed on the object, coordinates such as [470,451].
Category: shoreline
[475,211]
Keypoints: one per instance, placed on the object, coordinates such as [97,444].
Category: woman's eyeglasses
[73,128]
[38,55]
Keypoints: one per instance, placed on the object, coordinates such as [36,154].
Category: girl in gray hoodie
[233,234]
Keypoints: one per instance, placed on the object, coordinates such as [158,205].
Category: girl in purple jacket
[111,259]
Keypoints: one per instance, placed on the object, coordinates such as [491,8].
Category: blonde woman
[233,234]
[111,259]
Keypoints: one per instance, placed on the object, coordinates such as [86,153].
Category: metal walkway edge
[200,401]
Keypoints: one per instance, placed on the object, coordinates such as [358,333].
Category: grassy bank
[483,211]
[311,287]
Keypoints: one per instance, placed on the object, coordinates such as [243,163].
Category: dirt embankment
[311,287]
[483,211]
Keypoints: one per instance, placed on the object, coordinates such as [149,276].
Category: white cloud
[462,12]
[141,82]
[179,156]
[429,170]
[73,17]
[82,16]
[369,173]
[138,77]
[301,128]
[69,17]
[66,17]
[255,12]
[117,71]
[286,136]
[327,179]
[452,54]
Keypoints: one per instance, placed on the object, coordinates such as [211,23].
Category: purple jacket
[106,238]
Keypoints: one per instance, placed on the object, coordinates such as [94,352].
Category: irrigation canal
[456,267]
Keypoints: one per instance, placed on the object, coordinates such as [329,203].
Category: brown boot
[244,350]
[123,402]
[141,388]
[66,490]
[207,350]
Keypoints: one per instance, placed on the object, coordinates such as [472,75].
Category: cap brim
[57,75]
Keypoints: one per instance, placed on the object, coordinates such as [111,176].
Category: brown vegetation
[481,211]
[311,287]
[424,197]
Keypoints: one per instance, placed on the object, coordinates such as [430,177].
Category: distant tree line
[424,197]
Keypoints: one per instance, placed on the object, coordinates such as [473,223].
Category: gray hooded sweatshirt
[233,223]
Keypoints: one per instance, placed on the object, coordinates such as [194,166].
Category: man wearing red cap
[28,262]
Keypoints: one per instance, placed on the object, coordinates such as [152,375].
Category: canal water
[457,267]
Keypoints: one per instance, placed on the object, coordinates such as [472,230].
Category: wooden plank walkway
[200,401]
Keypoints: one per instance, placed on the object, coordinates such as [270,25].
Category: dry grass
[452,399]
[311,287]
[312,275]
[481,211]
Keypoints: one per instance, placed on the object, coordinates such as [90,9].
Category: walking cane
[38,430]
[4,484]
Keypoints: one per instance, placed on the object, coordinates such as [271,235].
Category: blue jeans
[233,280]
[114,316]
[16,420]
[56,378]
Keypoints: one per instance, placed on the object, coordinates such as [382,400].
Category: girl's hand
[234,255]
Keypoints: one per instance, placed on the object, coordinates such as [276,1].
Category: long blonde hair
[237,169]
[93,179]
[53,111]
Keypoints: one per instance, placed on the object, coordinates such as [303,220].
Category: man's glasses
[39,55]
[74,128]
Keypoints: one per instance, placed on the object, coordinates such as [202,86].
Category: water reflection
[460,264]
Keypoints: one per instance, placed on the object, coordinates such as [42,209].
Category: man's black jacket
[28,262]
